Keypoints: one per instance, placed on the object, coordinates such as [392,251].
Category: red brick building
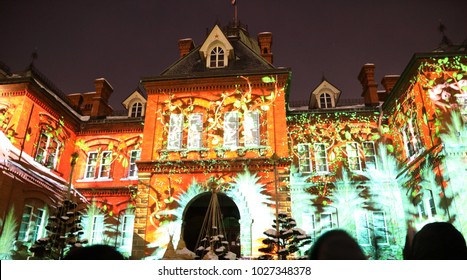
[216,128]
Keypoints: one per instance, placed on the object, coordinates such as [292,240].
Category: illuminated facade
[217,120]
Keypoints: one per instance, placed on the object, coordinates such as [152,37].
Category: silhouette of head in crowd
[336,245]
[436,241]
[94,252]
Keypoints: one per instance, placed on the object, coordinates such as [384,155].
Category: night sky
[123,41]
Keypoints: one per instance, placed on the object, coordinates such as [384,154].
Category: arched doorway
[195,213]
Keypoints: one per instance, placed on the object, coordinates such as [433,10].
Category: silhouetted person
[336,245]
[94,252]
[436,241]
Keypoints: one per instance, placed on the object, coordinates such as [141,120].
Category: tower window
[325,100]
[217,58]
[136,110]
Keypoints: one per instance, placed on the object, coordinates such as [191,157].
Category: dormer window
[324,96]
[325,100]
[135,104]
[217,58]
[136,110]
[217,50]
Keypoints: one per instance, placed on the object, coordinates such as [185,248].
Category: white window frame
[412,140]
[135,155]
[231,129]
[325,100]
[33,222]
[320,159]
[353,155]
[91,165]
[217,57]
[308,219]
[362,226]
[251,129]
[195,131]
[136,110]
[325,223]
[39,224]
[175,136]
[25,225]
[426,208]
[305,158]
[47,153]
[381,229]
[369,152]
[127,222]
[97,230]
[105,164]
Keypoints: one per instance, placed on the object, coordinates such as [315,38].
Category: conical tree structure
[64,233]
[212,243]
[284,241]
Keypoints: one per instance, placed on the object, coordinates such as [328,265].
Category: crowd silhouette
[435,241]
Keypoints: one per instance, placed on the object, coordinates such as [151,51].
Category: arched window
[325,100]
[216,58]
[136,110]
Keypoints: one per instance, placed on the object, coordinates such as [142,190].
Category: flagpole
[234,3]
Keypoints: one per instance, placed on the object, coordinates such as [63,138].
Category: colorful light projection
[247,190]
[178,181]
[421,152]
[249,105]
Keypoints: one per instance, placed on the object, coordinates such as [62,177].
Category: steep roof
[246,60]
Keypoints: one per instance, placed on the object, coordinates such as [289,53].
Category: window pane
[174,140]
[136,110]
[133,169]
[195,130]
[326,222]
[127,232]
[370,155]
[41,153]
[24,229]
[251,129]
[379,224]
[363,231]
[97,229]
[106,160]
[325,100]
[216,58]
[231,129]
[321,158]
[91,165]
[304,158]
[39,225]
[353,157]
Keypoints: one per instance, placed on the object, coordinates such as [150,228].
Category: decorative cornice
[105,192]
[212,166]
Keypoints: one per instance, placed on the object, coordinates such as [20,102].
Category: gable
[322,88]
[135,96]
[216,38]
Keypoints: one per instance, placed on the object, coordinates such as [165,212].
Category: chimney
[76,100]
[367,79]
[185,46]
[100,106]
[389,81]
[265,43]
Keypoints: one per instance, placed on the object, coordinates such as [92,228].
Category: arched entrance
[195,213]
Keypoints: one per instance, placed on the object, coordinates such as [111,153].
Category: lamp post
[74,158]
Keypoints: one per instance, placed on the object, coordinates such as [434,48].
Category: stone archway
[195,213]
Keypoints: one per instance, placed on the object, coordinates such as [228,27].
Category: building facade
[217,124]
